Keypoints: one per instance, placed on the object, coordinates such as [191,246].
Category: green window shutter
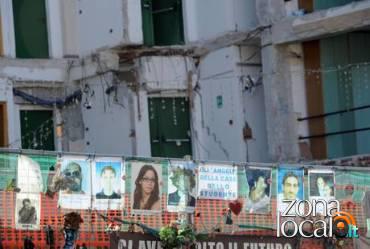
[168,22]
[337,89]
[162,22]
[360,53]
[346,88]
[37,130]
[31,38]
[169,127]
[148,30]
[326,4]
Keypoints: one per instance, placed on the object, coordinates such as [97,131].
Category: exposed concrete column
[142,129]
[7,21]
[282,130]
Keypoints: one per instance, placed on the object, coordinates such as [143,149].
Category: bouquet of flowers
[173,237]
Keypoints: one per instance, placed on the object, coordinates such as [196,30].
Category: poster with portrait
[259,189]
[321,185]
[76,190]
[109,183]
[29,178]
[290,186]
[27,211]
[146,187]
[181,186]
[217,181]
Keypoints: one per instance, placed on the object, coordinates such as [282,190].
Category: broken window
[162,22]
[37,130]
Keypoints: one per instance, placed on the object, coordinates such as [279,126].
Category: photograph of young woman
[147,194]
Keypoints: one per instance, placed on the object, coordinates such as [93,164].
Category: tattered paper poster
[259,194]
[217,181]
[181,186]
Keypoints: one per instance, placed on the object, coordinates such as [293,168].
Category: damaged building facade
[254,81]
[315,62]
[156,78]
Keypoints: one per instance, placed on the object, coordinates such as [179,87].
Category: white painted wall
[108,123]
[164,72]
[91,25]
[254,105]
[244,14]
[133,26]
[55,28]
[208,19]
[218,139]
[100,24]
[28,73]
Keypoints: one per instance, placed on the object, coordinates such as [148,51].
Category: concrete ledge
[322,23]
[33,69]
[57,70]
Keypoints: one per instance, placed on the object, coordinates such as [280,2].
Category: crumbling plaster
[322,23]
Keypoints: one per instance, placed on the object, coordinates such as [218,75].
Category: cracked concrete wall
[219,118]
[283,84]
[104,128]
[323,23]
[253,103]
[73,130]
[6,95]
[269,11]
[281,118]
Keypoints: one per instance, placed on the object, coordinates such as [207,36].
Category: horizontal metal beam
[304,165]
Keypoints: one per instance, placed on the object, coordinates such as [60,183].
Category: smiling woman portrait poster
[146,187]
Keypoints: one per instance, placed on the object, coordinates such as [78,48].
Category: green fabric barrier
[8,169]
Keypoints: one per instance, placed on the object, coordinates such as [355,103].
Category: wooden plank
[314,93]
[3,125]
